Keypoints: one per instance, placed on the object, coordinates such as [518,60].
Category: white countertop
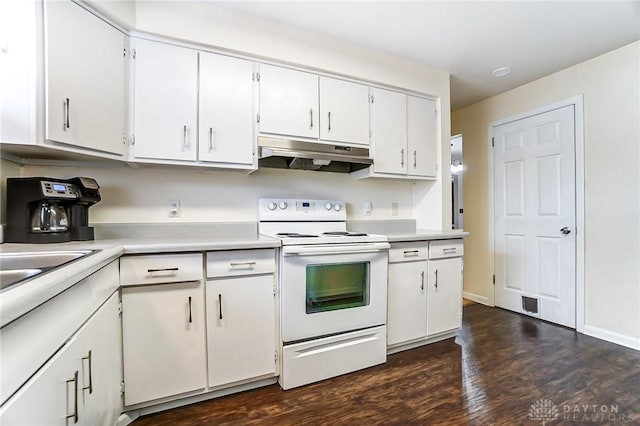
[425,235]
[22,298]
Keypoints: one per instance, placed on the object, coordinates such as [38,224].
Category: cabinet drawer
[406,252]
[445,248]
[161,268]
[240,262]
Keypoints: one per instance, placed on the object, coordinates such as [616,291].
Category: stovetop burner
[295,235]
[345,234]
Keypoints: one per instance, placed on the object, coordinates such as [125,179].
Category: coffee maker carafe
[49,210]
[49,216]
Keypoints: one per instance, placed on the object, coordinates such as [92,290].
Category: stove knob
[272,206]
[328,206]
[337,207]
[283,205]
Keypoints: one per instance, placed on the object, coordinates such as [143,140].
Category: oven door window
[337,286]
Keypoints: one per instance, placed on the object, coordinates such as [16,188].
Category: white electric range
[332,287]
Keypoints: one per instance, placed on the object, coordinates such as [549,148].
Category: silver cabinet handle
[415,159]
[436,283]
[220,305]
[65,114]
[210,139]
[74,379]
[402,157]
[408,253]
[329,120]
[450,250]
[151,271]
[185,144]
[190,317]
[88,358]
[422,280]
[565,230]
[311,117]
[247,264]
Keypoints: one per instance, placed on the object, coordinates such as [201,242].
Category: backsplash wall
[131,195]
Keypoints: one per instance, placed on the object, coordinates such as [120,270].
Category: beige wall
[610,85]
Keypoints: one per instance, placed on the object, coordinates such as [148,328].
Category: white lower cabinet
[163,340]
[444,310]
[407,302]
[425,291]
[241,315]
[240,328]
[80,384]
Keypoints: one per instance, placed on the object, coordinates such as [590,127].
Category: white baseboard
[476,298]
[610,336]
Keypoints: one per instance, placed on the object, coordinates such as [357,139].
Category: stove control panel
[291,209]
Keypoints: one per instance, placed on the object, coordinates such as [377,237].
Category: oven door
[332,288]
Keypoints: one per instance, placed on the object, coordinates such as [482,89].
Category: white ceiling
[469,39]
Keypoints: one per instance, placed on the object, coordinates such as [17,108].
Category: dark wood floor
[499,365]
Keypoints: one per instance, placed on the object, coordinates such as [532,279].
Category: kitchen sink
[18,267]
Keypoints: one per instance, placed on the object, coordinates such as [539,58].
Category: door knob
[566,230]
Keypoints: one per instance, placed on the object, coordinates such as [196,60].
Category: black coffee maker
[49,210]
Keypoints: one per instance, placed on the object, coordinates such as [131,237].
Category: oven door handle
[334,249]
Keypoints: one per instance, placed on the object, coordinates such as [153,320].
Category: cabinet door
[241,331]
[71,389]
[389,132]
[344,111]
[85,79]
[444,308]
[422,136]
[226,110]
[100,343]
[163,340]
[166,100]
[288,102]
[48,397]
[407,302]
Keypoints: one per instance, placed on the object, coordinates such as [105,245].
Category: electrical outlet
[394,208]
[174,208]
[367,207]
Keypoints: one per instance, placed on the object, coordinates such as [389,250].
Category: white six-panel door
[534,190]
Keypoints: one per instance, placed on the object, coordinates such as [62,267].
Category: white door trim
[577,102]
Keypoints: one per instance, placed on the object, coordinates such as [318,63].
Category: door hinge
[371,98]
[133,140]
[494,279]
[274,289]
[275,356]
[258,118]
[119,307]
[133,53]
[124,138]
[122,387]
[258,77]
[493,142]
[124,51]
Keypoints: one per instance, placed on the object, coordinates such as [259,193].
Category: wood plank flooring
[490,374]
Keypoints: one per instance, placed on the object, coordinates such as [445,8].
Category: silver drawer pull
[151,271]
[408,253]
[73,380]
[246,264]
[450,250]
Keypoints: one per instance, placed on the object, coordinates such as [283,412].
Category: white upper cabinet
[288,102]
[344,111]
[389,131]
[404,137]
[422,137]
[226,110]
[84,79]
[166,101]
